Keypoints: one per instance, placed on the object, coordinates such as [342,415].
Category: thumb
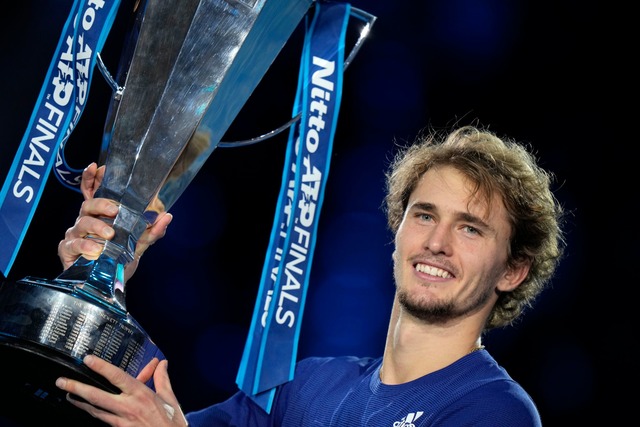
[163,384]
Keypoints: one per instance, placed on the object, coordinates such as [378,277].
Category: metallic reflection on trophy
[194,65]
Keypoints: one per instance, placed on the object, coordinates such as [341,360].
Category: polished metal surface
[190,73]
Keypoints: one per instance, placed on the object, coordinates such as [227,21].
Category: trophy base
[46,328]
[29,397]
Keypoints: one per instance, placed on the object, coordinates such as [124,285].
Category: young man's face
[451,250]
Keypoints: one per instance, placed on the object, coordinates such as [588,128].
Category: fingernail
[112,209]
[88,359]
[107,231]
[61,382]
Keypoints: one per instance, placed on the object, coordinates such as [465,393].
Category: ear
[513,276]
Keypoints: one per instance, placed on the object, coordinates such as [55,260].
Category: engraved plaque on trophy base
[45,330]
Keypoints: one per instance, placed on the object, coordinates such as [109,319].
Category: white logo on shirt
[408,420]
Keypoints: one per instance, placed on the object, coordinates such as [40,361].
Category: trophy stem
[102,279]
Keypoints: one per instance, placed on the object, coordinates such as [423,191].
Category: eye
[423,216]
[471,230]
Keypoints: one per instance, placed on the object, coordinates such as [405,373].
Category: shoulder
[505,394]
[336,366]
[492,397]
[502,403]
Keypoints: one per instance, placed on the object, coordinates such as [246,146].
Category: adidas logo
[408,420]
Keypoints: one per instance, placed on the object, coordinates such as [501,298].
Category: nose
[438,239]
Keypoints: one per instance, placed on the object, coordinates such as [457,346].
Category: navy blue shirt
[347,392]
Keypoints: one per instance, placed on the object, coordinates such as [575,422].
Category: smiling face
[451,250]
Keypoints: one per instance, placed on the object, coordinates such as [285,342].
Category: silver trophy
[190,68]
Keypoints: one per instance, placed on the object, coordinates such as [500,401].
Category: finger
[97,400]
[98,207]
[76,244]
[110,372]
[148,238]
[88,183]
[165,391]
[153,234]
[135,395]
[162,383]
[87,397]
[88,225]
[99,176]
[70,249]
[147,372]
[94,411]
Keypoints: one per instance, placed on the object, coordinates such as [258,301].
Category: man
[477,237]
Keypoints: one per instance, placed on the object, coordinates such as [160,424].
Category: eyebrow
[464,216]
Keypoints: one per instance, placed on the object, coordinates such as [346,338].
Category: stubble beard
[441,312]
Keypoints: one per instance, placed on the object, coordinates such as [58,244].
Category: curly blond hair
[494,166]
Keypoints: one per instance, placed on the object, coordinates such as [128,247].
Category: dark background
[552,74]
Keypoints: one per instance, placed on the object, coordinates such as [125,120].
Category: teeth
[432,271]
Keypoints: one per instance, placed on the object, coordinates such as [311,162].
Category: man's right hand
[76,243]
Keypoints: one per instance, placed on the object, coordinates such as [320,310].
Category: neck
[414,349]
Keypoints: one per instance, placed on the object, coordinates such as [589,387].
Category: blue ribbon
[270,351]
[58,109]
